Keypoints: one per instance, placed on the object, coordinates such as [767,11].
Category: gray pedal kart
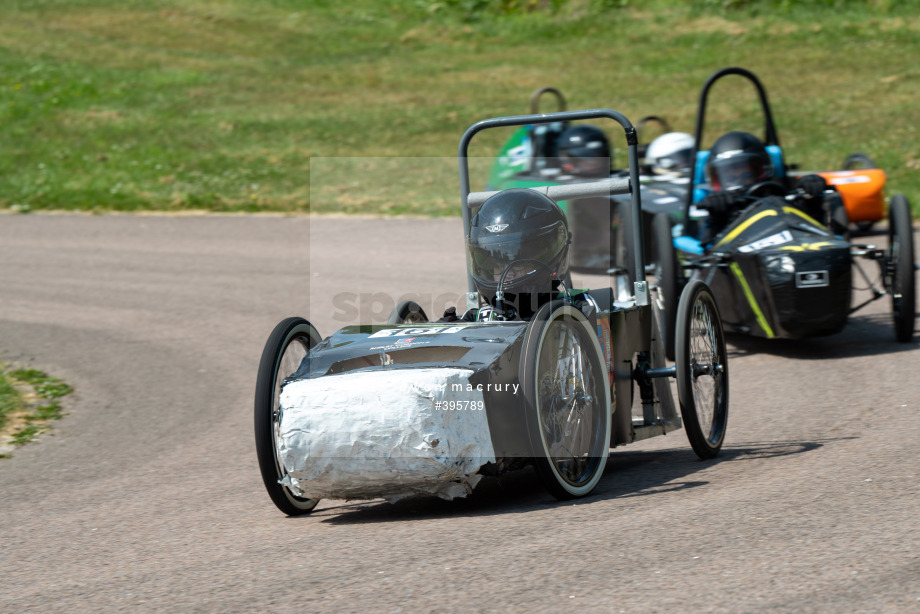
[420,407]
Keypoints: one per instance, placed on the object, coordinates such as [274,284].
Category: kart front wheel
[702,369]
[287,346]
[567,400]
[666,270]
[901,267]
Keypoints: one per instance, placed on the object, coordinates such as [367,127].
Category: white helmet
[670,153]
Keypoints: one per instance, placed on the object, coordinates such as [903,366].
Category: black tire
[858,160]
[839,222]
[702,369]
[901,267]
[567,400]
[667,272]
[407,312]
[288,343]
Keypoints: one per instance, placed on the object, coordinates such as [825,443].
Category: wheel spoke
[567,403]
[290,362]
[702,370]
[705,366]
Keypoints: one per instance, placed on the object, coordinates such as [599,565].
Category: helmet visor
[490,256]
[676,161]
[588,166]
[738,173]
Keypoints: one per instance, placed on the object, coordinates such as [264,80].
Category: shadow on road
[864,335]
[629,474]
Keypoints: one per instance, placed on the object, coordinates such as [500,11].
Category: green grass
[175,105]
[46,387]
[39,411]
[10,399]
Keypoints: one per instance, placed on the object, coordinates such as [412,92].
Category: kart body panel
[779,273]
[863,193]
[394,411]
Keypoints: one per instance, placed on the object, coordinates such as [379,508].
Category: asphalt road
[147,495]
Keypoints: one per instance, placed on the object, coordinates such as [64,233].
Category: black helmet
[519,225]
[584,150]
[737,161]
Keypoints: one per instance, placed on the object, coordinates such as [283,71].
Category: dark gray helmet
[737,161]
[584,150]
[526,230]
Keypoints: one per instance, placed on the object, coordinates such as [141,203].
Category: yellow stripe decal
[751,301]
[804,215]
[737,231]
[805,247]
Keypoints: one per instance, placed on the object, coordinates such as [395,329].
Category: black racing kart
[778,270]
[421,407]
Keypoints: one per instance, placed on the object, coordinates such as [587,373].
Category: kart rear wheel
[284,351]
[901,267]
[408,312]
[702,369]
[666,271]
[567,400]
[858,160]
[839,222]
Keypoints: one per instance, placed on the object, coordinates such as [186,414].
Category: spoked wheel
[702,369]
[284,351]
[567,400]
[901,267]
[666,270]
[408,312]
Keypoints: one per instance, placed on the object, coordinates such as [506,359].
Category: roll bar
[563,192]
[770,137]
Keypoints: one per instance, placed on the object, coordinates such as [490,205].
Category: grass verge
[29,403]
[175,105]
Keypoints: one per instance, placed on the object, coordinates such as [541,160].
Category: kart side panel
[392,411]
[744,297]
[781,274]
[388,434]
[862,191]
[473,345]
[505,403]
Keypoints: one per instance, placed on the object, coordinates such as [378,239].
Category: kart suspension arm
[876,293]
